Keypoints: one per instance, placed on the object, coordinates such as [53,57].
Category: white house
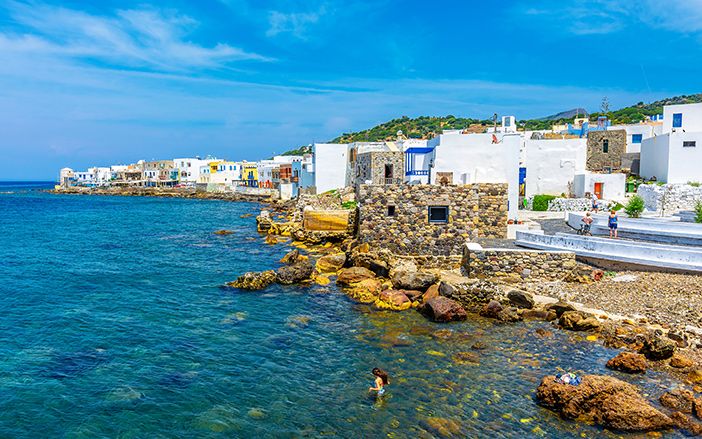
[329,163]
[189,168]
[85,178]
[675,155]
[551,165]
[478,158]
[66,177]
[637,133]
[265,172]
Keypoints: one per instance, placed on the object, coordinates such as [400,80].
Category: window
[438,214]
[605,145]
[677,120]
[689,144]
[636,138]
[391,210]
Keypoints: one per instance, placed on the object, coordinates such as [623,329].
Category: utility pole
[494,122]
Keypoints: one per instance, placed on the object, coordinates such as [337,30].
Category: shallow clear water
[113,325]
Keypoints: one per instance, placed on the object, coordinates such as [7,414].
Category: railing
[393,181]
[417,172]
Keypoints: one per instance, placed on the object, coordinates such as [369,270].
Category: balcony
[417,172]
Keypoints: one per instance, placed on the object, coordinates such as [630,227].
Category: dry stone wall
[597,158]
[370,166]
[518,263]
[669,198]
[569,204]
[396,217]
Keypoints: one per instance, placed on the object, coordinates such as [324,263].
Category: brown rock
[656,347]
[466,358]
[413,280]
[394,300]
[445,428]
[680,361]
[224,232]
[541,332]
[442,309]
[331,263]
[679,399]
[686,423]
[432,291]
[253,280]
[560,307]
[695,376]
[349,276]
[365,291]
[495,310]
[628,362]
[290,257]
[602,400]
[296,273]
[577,321]
[521,299]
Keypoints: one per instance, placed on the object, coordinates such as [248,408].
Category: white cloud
[131,38]
[295,23]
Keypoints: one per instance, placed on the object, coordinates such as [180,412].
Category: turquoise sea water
[113,325]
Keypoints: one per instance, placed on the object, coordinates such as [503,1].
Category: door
[598,190]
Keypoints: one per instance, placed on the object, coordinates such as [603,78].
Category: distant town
[582,158]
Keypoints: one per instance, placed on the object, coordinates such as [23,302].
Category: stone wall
[597,159]
[396,217]
[669,198]
[569,204]
[518,264]
[370,166]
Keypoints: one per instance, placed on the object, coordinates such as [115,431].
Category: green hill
[425,127]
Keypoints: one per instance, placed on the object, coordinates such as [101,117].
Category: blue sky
[96,83]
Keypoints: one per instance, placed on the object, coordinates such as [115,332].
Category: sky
[85,83]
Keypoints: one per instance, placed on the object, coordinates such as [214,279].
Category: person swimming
[381,380]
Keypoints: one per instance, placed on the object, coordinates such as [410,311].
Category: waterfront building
[265,173]
[329,163]
[189,168]
[549,165]
[157,172]
[66,177]
[462,159]
[303,176]
[675,155]
[249,174]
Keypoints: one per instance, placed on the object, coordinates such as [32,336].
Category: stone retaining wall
[396,217]
[669,198]
[569,204]
[518,264]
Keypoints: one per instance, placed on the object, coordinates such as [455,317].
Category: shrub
[540,202]
[634,207]
[617,206]
[698,212]
[350,205]
[694,183]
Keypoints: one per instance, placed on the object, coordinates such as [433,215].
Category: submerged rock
[224,232]
[445,428]
[466,358]
[681,400]
[495,310]
[254,280]
[442,309]
[628,362]
[602,400]
[296,273]
[413,280]
[560,307]
[680,361]
[349,276]
[331,263]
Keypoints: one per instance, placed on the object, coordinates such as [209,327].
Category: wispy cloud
[293,23]
[142,38]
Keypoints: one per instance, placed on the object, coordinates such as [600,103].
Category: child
[587,224]
[381,380]
[613,224]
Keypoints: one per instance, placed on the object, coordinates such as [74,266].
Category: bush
[540,202]
[634,207]
[698,212]
[694,183]
[349,205]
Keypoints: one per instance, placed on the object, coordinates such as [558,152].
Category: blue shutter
[636,138]
[677,120]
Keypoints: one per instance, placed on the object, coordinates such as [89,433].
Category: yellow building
[249,174]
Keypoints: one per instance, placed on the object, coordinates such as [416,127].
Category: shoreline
[166,193]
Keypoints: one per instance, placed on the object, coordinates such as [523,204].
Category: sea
[114,324]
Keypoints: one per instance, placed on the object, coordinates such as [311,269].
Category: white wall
[685,163]
[654,158]
[473,158]
[691,120]
[645,130]
[613,185]
[329,166]
[191,173]
[552,164]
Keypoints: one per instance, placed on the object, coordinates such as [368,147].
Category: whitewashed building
[675,155]
[189,168]
[637,133]
[329,163]
[552,164]
[478,158]
[66,177]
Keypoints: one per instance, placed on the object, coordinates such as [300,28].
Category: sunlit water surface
[113,325]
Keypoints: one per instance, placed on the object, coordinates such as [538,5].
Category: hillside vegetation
[424,127]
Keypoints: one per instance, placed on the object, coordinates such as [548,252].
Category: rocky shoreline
[387,282]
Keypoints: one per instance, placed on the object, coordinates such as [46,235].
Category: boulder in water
[394,300]
[657,347]
[521,299]
[578,321]
[604,401]
[495,310]
[349,276]
[296,273]
[560,307]
[442,309]
[331,263]
[224,232]
[628,362]
[291,257]
[253,280]
[444,428]
[365,291]
[680,361]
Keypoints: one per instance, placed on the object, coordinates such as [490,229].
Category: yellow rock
[538,431]
[475,414]
[321,280]
[591,338]
[525,420]
[436,353]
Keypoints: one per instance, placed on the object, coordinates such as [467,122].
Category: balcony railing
[417,172]
[393,181]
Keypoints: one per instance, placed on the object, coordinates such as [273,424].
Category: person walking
[612,222]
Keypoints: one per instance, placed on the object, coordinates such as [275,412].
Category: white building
[637,133]
[265,172]
[476,158]
[551,165]
[330,160]
[66,177]
[85,178]
[419,159]
[189,168]
[675,155]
